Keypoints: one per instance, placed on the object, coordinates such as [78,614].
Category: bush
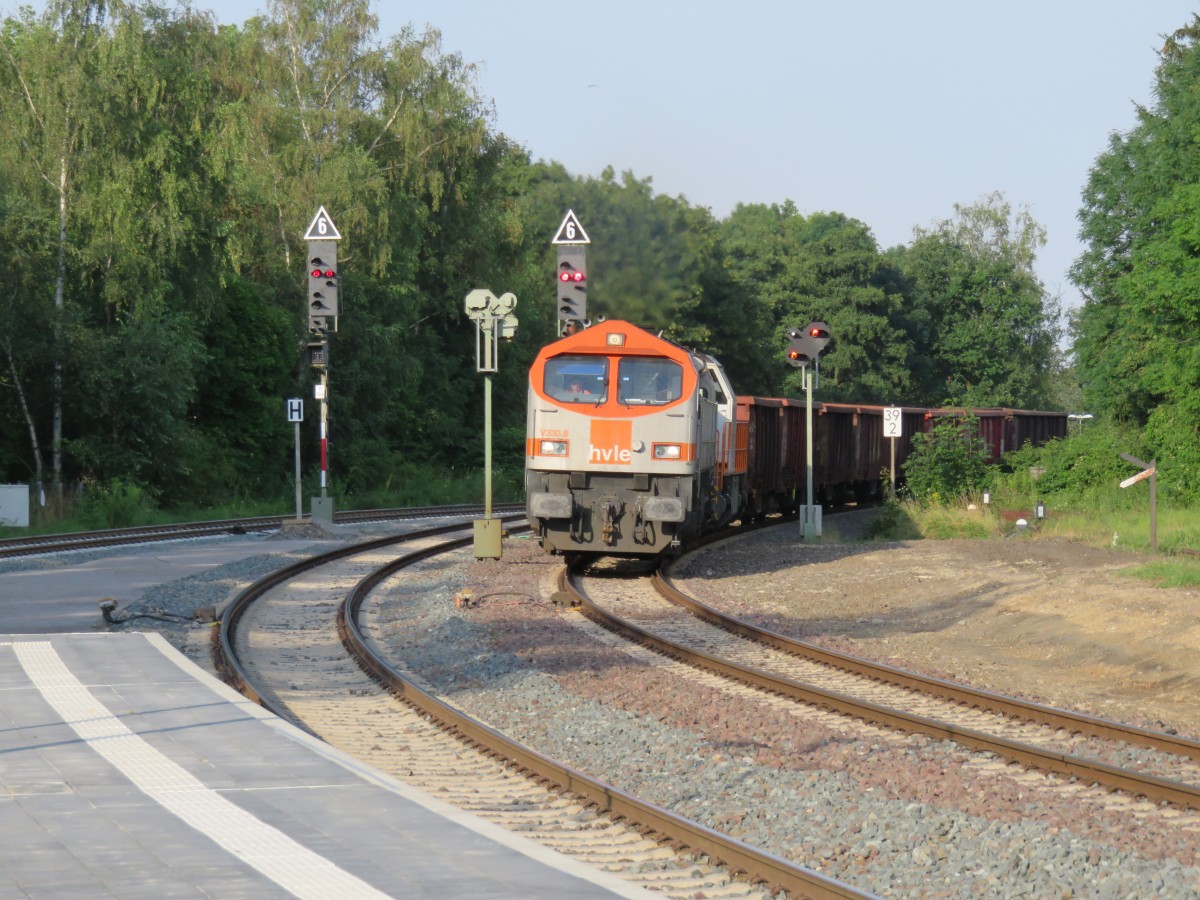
[1085,466]
[948,463]
[1172,433]
[115,504]
[893,523]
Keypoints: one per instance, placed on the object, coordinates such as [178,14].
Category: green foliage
[1124,527]
[135,386]
[949,462]
[907,520]
[416,484]
[1135,346]
[1172,434]
[236,410]
[789,269]
[649,266]
[1083,467]
[984,328]
[1086,467]
[894,522]
[115,504]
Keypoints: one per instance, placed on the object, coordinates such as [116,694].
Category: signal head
[571,284]
[322,286]
[818,332]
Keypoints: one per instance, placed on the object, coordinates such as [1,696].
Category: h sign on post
[295,414]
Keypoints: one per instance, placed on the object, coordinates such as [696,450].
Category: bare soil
[1047,619]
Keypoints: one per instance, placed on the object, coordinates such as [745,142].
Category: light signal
[807,344]
[322,286]
[570,279]
[799,353]
[818,332]
[570,274]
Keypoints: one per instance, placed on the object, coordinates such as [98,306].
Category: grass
[907,520]
[1170,572]
[1105,526]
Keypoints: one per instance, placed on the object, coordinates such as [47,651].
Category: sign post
[805,352]
[811,521]
[893,427]
[295,414]
[323,310]
[494,319]
[1149,470]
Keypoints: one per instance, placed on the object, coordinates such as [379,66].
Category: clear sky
[890,112]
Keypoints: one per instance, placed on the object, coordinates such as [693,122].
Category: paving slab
[127,771]
[42,595]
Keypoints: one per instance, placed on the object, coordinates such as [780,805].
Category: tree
[156,174]
[47,95]
[826,267]
[107,115]
[988,328]
[1135,347]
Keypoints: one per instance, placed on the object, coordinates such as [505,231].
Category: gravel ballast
[901,818]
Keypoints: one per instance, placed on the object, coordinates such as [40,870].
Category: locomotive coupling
[610,510]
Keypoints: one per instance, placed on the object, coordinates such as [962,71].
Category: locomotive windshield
[577,379]
[649,380]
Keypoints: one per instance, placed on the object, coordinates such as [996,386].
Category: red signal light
[329,273]
[571,276]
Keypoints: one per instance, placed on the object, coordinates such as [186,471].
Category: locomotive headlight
[667,451]
[552,448]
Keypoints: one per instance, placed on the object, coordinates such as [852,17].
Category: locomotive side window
[577,379]
[649,381]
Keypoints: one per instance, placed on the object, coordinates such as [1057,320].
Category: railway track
[1161,767]
[277,643]
[113,537]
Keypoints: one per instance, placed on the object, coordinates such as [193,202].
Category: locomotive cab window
[649,381]
[577,379]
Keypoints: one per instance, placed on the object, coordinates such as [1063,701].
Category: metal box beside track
[14,505]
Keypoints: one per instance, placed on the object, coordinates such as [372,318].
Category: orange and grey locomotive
[630,444]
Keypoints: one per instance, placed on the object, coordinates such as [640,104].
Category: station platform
[126,771]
